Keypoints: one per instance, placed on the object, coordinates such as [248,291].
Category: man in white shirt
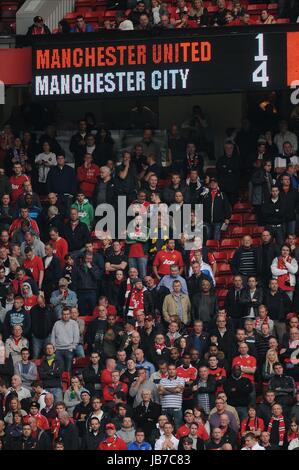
[285,135]
[168,441]
[251,442]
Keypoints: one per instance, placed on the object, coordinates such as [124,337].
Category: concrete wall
[52,12]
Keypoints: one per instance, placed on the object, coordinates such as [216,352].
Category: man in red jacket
[24,217]
[112,442]
[87,175]
[115,386]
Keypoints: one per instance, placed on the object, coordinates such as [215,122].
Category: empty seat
[214,244]
[282,21]
[220,281]
[257,231]
[239,232]
[223,268]
[249,219]
[229,243]
[272,6]
[221,293]
[241,207]
[220,256]
[236,219]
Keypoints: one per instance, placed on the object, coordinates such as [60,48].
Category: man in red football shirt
[189,374]
[18,223]
[166,258]
[184,430]
[247,364]
[115,386]
[112,442]
[17,181]
[35,265]
[59,244]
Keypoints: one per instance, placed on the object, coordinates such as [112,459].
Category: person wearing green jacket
[85,210]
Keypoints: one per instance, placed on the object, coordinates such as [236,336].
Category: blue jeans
[175,415]
[38,346]
[57,393]
[79,351]
[277,233]
[87,301]
[140,264]
[213,231]
[65,357]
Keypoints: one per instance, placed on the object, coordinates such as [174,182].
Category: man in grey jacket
[37,246]
[63,297]
[65,337]
[26,369]
[140,384]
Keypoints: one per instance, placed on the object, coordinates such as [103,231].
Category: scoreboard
[102,67]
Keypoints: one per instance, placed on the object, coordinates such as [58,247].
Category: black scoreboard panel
[168,66]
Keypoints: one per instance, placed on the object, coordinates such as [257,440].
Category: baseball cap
[188,412]
[85,391]
[38,19]
[35,404]
[63,282]
[110,426]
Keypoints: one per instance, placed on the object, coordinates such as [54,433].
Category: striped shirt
[247,262]
[172,400]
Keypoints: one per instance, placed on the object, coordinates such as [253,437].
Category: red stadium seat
[229,243]
[241,207]
[70,16]
[257,231]
[83,10]
[229,280]
[90,15]
[87,319]
[249,219]
[282,21]
[229,254]
[66,381]
[257,7]
[220,256]
[221,293]
[236,219]
[272,7]
[212,9]
[239,232]
[223,268]
[214,244]
[220,282]
[256,241]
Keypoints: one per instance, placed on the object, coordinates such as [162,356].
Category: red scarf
[281,428]
[283,277]
[136,300]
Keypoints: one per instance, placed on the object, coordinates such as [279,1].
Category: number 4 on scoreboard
[260,73]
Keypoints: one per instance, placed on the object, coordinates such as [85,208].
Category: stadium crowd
[125,344]
[145,15]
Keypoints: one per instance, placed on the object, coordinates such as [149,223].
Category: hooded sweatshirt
[85,212]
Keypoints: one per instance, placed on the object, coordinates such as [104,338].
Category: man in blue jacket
[139,443]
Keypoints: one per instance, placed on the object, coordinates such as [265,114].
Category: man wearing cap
[112,442]
[38,27]
[34,411]
[216,210]
[184,430]
[63,297]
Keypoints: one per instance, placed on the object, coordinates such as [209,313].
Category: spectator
[284,135]
[38,27]
[216,209]
[65,338]
[81,26]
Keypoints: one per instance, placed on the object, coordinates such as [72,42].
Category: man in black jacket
[232,303]
[86,277]
[261,184]
[238,390]
[266,252]
[279,305]
[204,305]
[76,232]
[38,27]
[104,191]
[216,210]
[195,280]
[273,215]
[289,198]
[68,432]
[147,413]
[52,271]
[228,172]
[77,143]
[91,374]
[92,438]
[265,408]
[62,180]
[50,372]
[283,386]
[176,185]
[224,335]
[198,338]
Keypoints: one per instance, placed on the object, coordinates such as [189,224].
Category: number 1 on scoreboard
[260,73]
